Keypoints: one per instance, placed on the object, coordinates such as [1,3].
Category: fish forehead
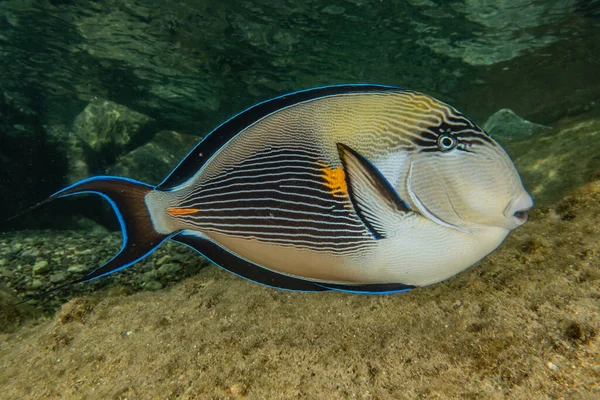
[378,123]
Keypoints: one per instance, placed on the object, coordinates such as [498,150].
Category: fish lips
[516,210]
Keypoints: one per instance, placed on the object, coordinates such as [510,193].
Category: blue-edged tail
[127,198]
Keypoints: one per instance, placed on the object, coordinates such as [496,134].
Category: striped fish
[359,188]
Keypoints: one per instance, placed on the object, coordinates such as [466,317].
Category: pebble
[153,285]
[162,260]
[31,268]
[552,366]
[169,269]
[150,276]
[30,253]
[77,268]
[238,390]
[36,284]
[58,277]
[40,267]
[7,272]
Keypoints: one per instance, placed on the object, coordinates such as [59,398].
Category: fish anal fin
[243,268]
[369,288]
[374,199]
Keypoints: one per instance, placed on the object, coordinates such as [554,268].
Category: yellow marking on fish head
[174,211]
[335,180]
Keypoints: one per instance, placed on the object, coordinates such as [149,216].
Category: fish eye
[447,142]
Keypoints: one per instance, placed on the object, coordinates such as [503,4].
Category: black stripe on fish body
[478,137]
[225,132]
[428,136]
[425,144]
[290,185]
[302,204]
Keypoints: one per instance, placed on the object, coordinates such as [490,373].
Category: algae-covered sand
[523,323]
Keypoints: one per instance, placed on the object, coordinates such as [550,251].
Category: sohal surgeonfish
[360,188]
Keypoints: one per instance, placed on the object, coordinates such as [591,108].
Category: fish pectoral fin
[374,199]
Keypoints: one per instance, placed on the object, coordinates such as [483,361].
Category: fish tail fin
[127,198]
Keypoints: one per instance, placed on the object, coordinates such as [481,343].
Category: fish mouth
[518,207]
[521,215]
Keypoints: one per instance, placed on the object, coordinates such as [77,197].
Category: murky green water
[189,65]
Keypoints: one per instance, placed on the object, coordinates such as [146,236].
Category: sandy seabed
[524,323]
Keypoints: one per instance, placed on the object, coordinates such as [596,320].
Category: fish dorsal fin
[219,137]
[375,201]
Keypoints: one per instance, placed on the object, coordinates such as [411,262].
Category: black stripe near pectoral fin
[374,199]
[243,268]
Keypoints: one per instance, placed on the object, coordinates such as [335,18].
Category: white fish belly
[419,257]
[430,253]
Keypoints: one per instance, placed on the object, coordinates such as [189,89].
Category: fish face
[467,181]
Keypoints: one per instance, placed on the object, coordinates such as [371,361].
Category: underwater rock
[554,163]
[101,133]
[153,161]
[40,267]
[36,284]
[504,125]
[30,253]
[77,268]
[169,269]
[58,277]
[12,316]
[107,129]
[86,224]
[501,31]
[153,285]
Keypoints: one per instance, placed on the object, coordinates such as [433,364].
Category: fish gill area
[127,87]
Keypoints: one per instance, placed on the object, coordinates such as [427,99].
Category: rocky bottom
[523,323]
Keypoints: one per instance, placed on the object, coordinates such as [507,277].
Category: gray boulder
[506,126]
[553,164]
[103,132]
[107,126]
[153,161]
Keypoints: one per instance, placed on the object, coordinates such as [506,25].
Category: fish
[355,188]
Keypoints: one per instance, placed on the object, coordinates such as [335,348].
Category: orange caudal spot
[181,211]
[335,180]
